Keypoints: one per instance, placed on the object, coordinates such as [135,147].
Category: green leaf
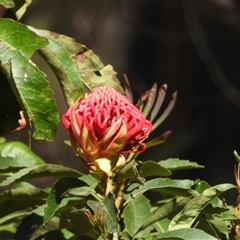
[227,216]
[185,234]
[22,193]
[151,168]
[74,227]
[188,215]
[17,44]
[215,203]
[129,171]
[144,234]
[47,170]
[135,214]
[56,202]
[169,210]
[60,53]
[162,225]
[17,154]
[125,236]
[80,191]
[25,45]
[93,204]
[165,185]
[171,238]
[161,213]
[201,186]
[93,73]
[204,224]
[103,76]
[67,204]
[90,180]
[220,226]
[78,68]
[7,3]
[179,164]
[16,214]
[108,210]
[10,227]
[237,157]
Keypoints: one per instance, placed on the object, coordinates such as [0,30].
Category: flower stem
[119,197]
[109,185]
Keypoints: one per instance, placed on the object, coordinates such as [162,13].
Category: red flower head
[105,123]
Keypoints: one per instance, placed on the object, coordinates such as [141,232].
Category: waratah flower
[105,124]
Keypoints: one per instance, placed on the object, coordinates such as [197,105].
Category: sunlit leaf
[22,193]
[174,164]
[47,170]
[107,210]
[78,68]
[135,214]
[17,44]
[17,154]
[165,185]
[161,213]
[227,216]
[221,226]
[90,180]
[60,54]
[185,234]
[201,186]
[94,73]
[7,3]
[188,215]
[9,227]
[204,224]
[162,225]
[129,171]
[80,191]
[151,168]
[169,209]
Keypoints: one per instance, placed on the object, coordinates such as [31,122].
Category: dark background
[193,46]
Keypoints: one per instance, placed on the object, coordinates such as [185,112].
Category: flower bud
[105,124]
[104,165]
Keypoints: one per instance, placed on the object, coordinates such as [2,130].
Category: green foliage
[132,225]
[181,206]
[145,202]
[26,78]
